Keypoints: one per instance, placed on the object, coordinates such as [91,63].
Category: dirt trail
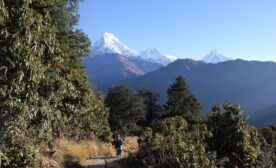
[130,146]
[101,162]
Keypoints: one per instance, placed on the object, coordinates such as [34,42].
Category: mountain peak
[108,34]
[109,38]
[110,44]
[215,57]
[153,55]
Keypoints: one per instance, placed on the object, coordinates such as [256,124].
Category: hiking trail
[101,162]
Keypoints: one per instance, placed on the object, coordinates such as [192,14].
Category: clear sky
[187,28]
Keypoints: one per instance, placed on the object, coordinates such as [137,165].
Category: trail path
[101,162]
[130,146]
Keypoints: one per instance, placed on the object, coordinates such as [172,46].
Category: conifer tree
[181,102]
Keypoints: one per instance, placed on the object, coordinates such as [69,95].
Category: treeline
[45,93]
[177,135]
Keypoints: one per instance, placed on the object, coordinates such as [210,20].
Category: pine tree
[181,102]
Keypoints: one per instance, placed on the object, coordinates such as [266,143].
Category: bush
[18,151]
[168,144]
[18,156]
[232,137]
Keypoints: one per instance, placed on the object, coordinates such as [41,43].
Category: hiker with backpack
[118,144]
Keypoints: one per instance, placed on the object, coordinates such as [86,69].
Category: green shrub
[21,155]
[3,159]
[169,144]
[232,137]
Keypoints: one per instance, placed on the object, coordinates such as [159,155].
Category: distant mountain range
[112,61]
[214,79]
[109,44]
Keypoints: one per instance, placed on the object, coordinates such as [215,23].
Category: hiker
[118,144]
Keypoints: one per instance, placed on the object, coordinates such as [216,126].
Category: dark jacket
[118,143]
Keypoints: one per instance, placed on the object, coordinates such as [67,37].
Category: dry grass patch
[130,145]
[83,150]
[70,151]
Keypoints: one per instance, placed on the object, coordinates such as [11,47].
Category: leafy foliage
[44,91]
[232,138]
[268,155]
[269,133]
[168,143]
[153,110]
[126,107]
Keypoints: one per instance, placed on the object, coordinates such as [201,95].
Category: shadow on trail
[102,162]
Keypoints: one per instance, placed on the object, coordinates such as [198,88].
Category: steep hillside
[110,68]
[263,117]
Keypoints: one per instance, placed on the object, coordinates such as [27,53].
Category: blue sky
[187,28]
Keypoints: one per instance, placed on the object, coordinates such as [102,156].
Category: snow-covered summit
[215,57]
[109,44]
[153,55]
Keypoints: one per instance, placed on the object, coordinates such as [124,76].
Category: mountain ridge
[252,84]
[110,44]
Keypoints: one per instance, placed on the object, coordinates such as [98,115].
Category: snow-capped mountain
[110,44]
[153,55]
[214,57]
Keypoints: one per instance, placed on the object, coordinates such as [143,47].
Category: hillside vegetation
[44,93]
